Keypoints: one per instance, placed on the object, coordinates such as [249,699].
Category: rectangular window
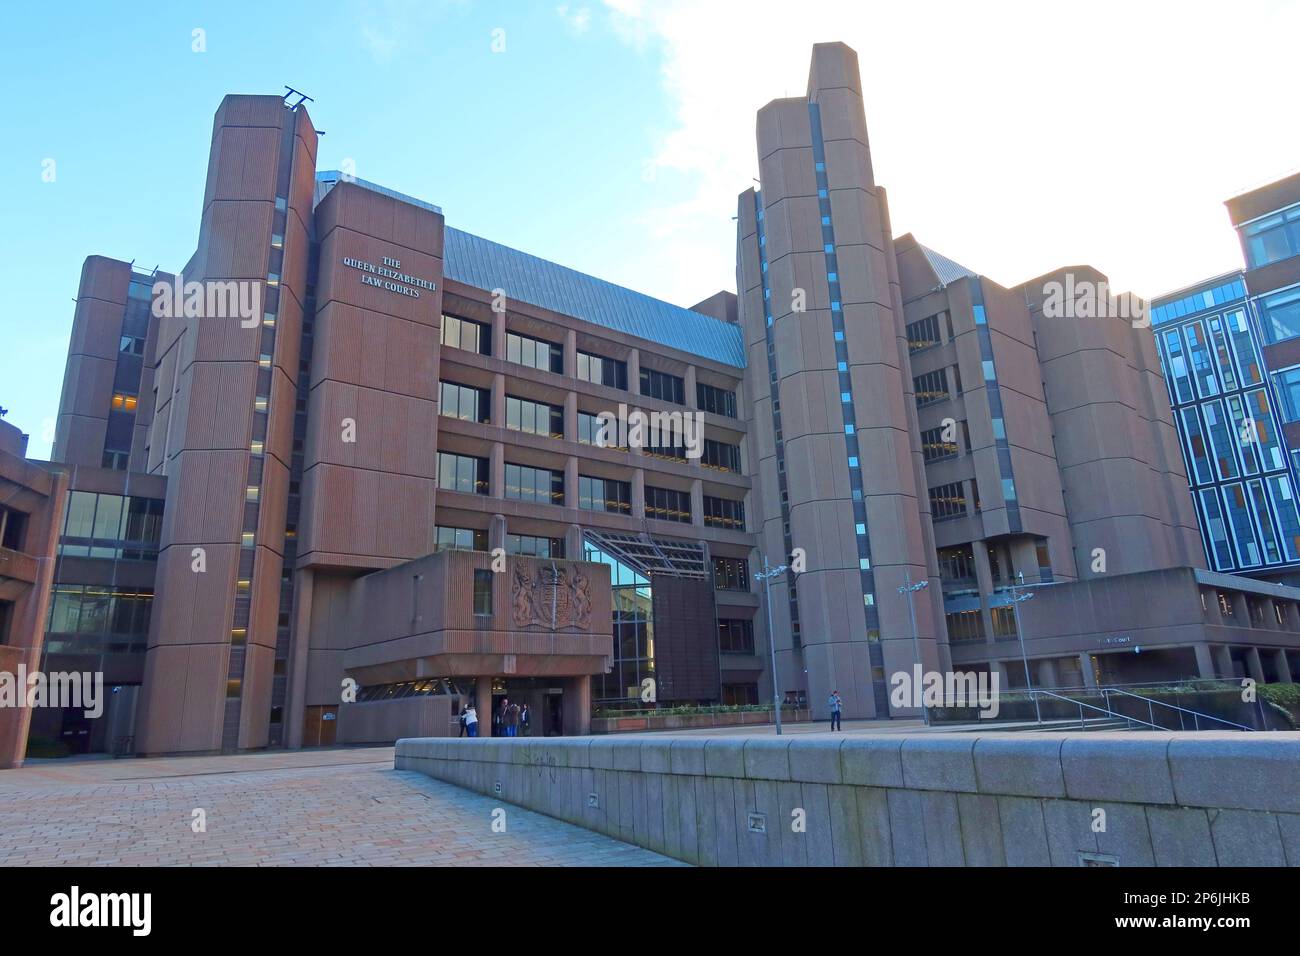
[716,401]
[1004,623]
[1288,517]
[462,473]
[482,592]
[542,486]
[1273,238]
[965,626]
[1243,531]
[947,501]
[1281,315]
[458,333]
[721,456]
[956,565]
[537,418]
[534,353]
[1181,381]
[1287,383]
[532,546]
[464,402]
[731,574]
[589,432]
[602,370]
[604,494]
[460,539]
[927,332]
[934,447]
[663,386]
[931,387]
[1195,439]
[724,513]
[668,504]
[1202,366]
[1216,530]
[735,636]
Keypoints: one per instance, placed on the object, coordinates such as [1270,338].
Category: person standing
[471,721]
[499,719]
[512,721]
[461,720]
[523,720]
[837,706]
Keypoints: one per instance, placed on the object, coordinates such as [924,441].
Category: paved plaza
[304,808]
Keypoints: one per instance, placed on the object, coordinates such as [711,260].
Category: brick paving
[307,808]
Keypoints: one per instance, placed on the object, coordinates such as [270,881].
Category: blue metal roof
[489,265]
[947,270]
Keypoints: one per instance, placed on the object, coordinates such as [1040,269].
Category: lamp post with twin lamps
[908,588]
[766,576]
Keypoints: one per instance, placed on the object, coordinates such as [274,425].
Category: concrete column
[571,482]
[1224,658]
[577,706]
[690,387]
[1085,666]
[1282,665]
[984,581]
[634,372]
[571,353]
[1046,672]
[496,532]
[1204,661]
[498,409]
[483,705]
[571,416]
[499,335]
[1254,667]
[295,701]
[573,542]
[497,470]
[697,503]
[638,494]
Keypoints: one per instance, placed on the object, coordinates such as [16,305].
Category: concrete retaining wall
[905,800]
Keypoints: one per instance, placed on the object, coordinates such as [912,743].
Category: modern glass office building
[1230,424]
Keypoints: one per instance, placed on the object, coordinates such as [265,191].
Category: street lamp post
[909,589]
[1017,597]
[766,576]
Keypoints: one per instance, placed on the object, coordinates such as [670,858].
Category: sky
[613,136]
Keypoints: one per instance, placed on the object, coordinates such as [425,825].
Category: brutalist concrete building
[353,467]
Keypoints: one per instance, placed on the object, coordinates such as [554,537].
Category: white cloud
[1014,137]
[578,19]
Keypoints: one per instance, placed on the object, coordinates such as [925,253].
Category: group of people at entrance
[511,720]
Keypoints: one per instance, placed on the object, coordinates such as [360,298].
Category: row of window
[932,387]
[475,539]
[540,418]
[1252,523]
[97,609]
[460,333]
[1204,364]
[111,526]
[1231,437]
[928,332]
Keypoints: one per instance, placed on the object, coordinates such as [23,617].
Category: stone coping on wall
[994,798]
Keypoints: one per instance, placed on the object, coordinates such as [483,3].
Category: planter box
[611,725]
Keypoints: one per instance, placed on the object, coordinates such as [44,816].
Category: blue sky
[545,140]
[614,135]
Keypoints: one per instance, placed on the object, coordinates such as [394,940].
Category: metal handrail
[1109,713]
[1151,701]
